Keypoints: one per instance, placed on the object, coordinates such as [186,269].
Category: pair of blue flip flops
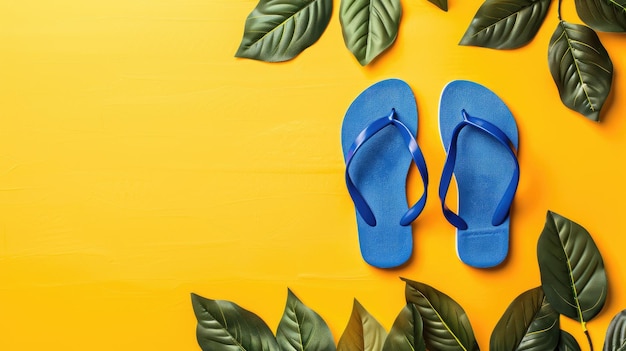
[480,138]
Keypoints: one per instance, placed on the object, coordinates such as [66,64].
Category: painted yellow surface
[140,161]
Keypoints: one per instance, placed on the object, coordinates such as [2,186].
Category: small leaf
[301,329]
[224,326]
[603,15]
[279,30]
[363,332]
[615,339]
[529,323]
[369,26]
[571,269]
[446,325]
[406,332]
[567,342]
[506,24]
[581,68]
[442,4]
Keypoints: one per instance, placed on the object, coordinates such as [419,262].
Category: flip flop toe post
[378,143]
[480,138]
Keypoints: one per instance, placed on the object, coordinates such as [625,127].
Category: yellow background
[141,161]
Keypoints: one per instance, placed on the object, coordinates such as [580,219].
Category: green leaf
[529,323]
[446,325]
[224,326]
[301,329]
[571,269]
[406,332]
[581,68]
[603,15]
[279,30]
[369,26]
[442,4]
[567,342]
[363,332]
[615,339]
[506,24]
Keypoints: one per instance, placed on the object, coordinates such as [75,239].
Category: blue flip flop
[480,137]
[377,137]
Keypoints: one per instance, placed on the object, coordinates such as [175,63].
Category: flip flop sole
[379,170]
[482,171]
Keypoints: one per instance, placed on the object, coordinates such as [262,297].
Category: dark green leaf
[603,15]
[406,332]
[301,329]
[369,26]
[506,24]
[279,30]
[363,332]
[571,268]
[224,326]
[446,325]
[581,68]
[567,342]
[615,339]
[442,4]
[529,323]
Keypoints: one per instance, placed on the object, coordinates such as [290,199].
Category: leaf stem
[559,10]
[589,340]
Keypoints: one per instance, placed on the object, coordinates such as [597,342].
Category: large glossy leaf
[446,325]
[302,329]
[224,326]
[567,342]
[615,339]
[603,15]
[581,68]
[406,332]
[506,24]
[363,332]
[529,323]
[369,26]
[279,30]
[571,269]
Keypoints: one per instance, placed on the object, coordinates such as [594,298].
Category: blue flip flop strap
[370,130]
[502,210]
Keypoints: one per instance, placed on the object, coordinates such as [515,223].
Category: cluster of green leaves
[580,65]
[279,30]
[573,284]
[430,320]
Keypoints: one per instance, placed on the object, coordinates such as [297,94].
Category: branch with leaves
[573,284]
[580,65]
[279,30]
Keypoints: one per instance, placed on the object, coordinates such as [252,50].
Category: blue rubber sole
[482,172]
[379,170]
